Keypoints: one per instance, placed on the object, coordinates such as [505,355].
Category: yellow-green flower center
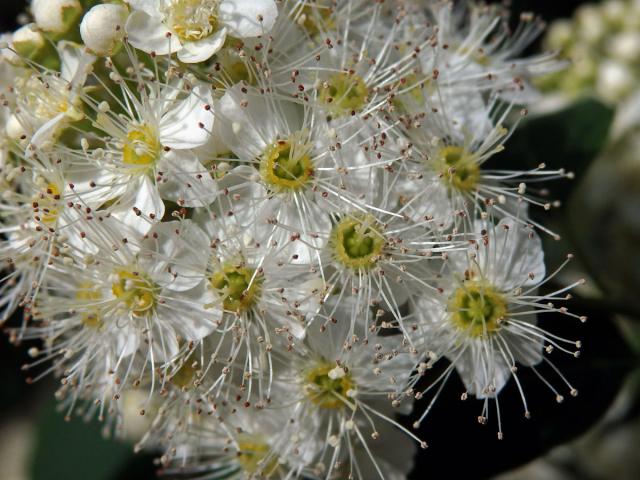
[192,20]
[136,291]
[142,147]
[326,388]
[357,243]
[459,168]
[477,308]
[286,165]
[239,287]
[344,93]
[256,457]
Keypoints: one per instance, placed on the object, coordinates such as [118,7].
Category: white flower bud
[591,24]
[28,39]
[55,16]
[102,27]
[560,34]
[615,10]
[615,80]
[625,46]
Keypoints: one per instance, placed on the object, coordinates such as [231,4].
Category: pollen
[344,93]
[287,165]
[136,291]
[477,309]
[239,286]
[459,168]
[142,147]
[326,389]
[357,243]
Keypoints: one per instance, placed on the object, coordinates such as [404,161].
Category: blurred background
[587,121]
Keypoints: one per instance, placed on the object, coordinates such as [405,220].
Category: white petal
[145,197]
[243,17]
[149,34]
[150,7]
[190,313]
[527,351]
[48,130]
[176,253]
[190,123]
[127,341]
[165,340]
[516,257]
[195,52]
[188,182]
[74,60]
[245,130]
[481,373]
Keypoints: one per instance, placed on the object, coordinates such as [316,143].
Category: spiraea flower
[350,385]
[264,242]
[141,149]
[124,304]
[48,101]
[485,320]
[196,29]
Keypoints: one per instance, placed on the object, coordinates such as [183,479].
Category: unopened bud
[56,16]
[102,28]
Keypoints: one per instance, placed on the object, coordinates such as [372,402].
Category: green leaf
[570,139]
[74,450]
[602,222]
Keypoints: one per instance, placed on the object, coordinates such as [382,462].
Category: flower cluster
[263,223]
[602,43]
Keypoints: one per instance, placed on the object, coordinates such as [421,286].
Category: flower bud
[615,80]
[28,40]
[30,44]
[56,16]
[102,28]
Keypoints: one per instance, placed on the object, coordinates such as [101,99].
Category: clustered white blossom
[262,223]
[602,42]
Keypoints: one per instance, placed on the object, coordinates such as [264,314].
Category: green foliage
[74,450]
[570,139]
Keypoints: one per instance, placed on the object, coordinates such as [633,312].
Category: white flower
[445,178]
[485,319]
[196,29]
[293,169]
[35,219]
[242,443]
[262,297]
[344,381]
[267,240]
[102,28]
[47,102]
[123,304]
[146,155]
